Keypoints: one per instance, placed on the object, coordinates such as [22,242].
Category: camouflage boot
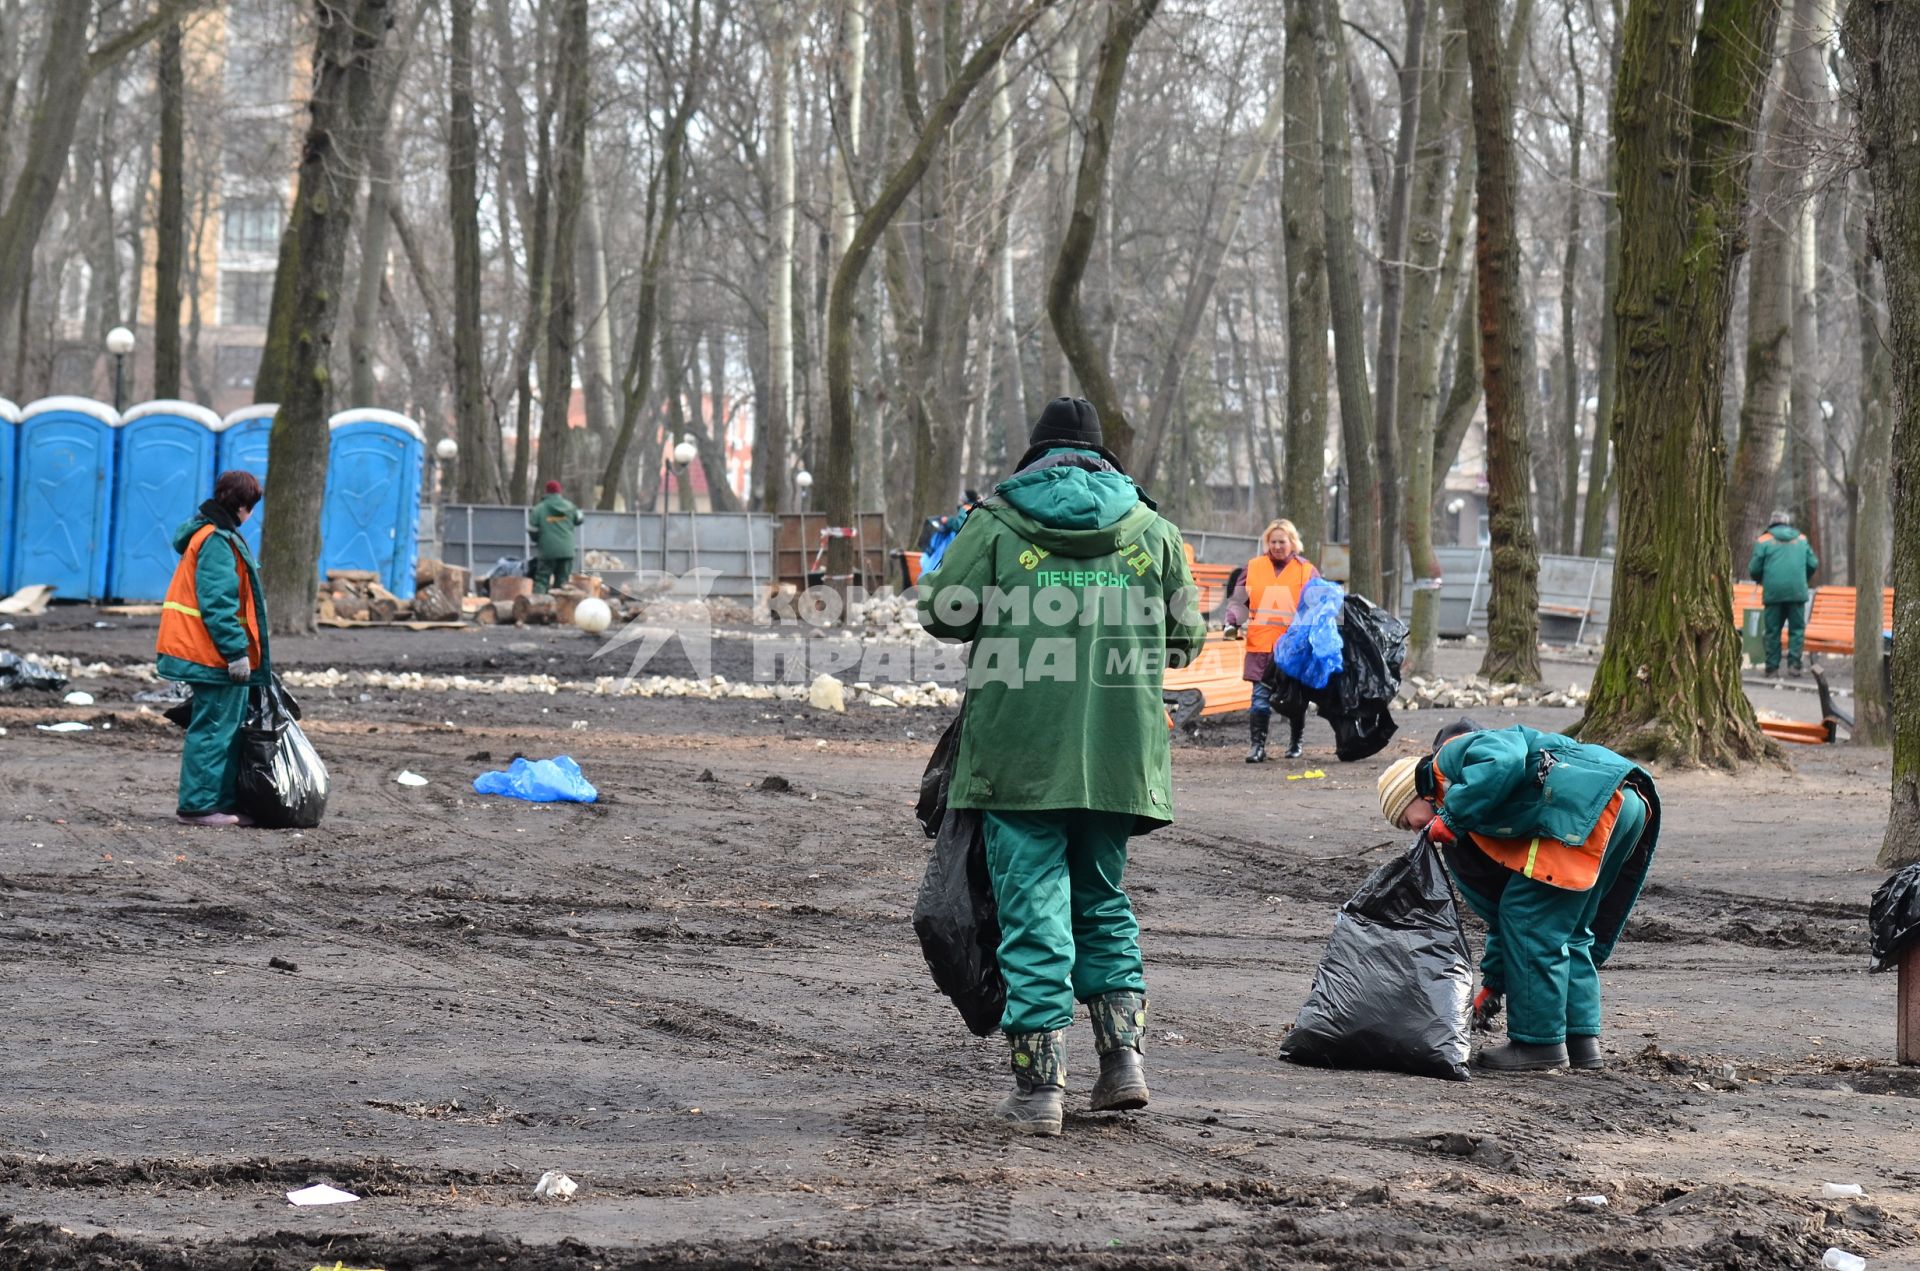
[1039,1083]
[1119,1024]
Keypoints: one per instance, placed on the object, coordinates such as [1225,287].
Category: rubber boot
[1119,1025]
[1584,1052]
[1039,1083]
[1515,1056]
[1294,728]
[1258,726]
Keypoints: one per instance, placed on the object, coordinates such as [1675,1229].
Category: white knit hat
[1397,789]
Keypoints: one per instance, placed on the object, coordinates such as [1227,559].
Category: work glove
[1486,1005]
[240,670]
[1438,832]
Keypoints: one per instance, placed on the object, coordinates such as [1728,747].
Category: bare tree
[1304,227]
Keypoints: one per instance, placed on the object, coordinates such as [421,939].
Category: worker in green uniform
[551,523]
[1075,593]
[1783,564]
[213,636]
[1550,841]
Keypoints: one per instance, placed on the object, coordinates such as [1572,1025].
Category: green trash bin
[1751,639]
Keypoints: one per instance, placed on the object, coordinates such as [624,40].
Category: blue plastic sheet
[556,780]
[1311,650]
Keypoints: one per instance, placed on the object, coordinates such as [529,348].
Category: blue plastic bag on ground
[1311,650]
[556,780]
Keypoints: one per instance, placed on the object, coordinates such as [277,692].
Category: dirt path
[703,1001]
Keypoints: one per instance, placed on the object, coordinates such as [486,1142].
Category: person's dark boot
[1294,729]
[1258,725]
[1039,1083]
[1583,1052]
[1515,1056]
[1119,1026]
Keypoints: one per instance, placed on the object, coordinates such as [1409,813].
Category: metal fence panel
[739,545]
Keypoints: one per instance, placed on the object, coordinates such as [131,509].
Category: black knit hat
[1067,421]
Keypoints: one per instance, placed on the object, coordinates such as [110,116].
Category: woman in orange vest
[1550,841]
[1264,604]
[213,636]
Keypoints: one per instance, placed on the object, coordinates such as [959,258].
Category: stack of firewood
[355,595]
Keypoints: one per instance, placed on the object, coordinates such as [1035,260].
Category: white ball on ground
[592,615]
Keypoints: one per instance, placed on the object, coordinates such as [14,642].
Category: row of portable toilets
[90,498]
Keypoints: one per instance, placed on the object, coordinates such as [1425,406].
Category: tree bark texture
[1571,388]
[476,431]
[780,266]
[363,328]
[1303,227]
[1685,106]
[1513,604]
[1873,456]
[569,185]
[346,46]
[170,219]
[1883,41]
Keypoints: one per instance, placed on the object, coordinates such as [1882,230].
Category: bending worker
[213,636]
[1265,602]
[1073,591]
[551,523]
[1549,840]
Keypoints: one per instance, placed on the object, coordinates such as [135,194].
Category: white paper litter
[1841,1191]
[65,726]
[320,1194]
[1591,1202]
[554,1185]
[78,698]
[410,778]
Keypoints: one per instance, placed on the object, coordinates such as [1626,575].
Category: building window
[258,52]
[246,296]
[235,365]
[251,224]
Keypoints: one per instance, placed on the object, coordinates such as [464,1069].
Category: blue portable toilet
[244,435]
[162,473]
[9,448]
[370,517]
[62,504]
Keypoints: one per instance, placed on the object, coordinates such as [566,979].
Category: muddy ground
[703,1001]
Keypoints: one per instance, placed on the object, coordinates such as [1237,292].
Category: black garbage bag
[1394,987]
[282,785]
[1357,699]
[1894,917]
[955,916]
[19,672]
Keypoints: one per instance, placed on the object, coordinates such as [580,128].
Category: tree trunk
[1012,400]
[837,491]
[477,434]
[170,221]
[1593,521]
[780,266]
[363,326]
[1212,254]
[596,298]
[1125,20]
[1570,385]
[1344,306]
[1061,40]
[1685,106]
[1393,282]
[539,239]
[346,47]
[1873,456]
[563,309]
[1513,612]
[1883,43]
[1304,231]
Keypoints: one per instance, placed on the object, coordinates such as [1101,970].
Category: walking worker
[1264,603]
[1783,564]
[551,523]
[213,636]
[1549,840]
[1074,592]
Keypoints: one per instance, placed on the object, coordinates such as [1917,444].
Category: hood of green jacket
[1784,533]
[1065,496]
[184,535]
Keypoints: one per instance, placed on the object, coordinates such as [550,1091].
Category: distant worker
[551,523]
[1783,564]
[1550,841]
[1264,604]
[1073,591]
[213,637]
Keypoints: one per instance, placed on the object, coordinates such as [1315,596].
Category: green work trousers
[1067,929]
[1791,614]
[551,570]
[1540,942]
[210,759]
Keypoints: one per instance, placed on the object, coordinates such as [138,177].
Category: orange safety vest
[1573,866]
[1272,596]
[182,633]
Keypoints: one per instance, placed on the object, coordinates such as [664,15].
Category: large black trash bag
[1894,917]
[955,916]
[1357,699]
[282,783]
[19,672]
[1394,986]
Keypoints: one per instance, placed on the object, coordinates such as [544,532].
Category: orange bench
[1210,579]
[1745,596]
[1209,685]
[1830,622]
[1796,732]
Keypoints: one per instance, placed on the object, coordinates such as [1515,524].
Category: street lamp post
[683,456]
[444,452]
[119,343]
[803,482]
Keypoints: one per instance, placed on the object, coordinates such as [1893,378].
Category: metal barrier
[738,545]
[1576,595]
